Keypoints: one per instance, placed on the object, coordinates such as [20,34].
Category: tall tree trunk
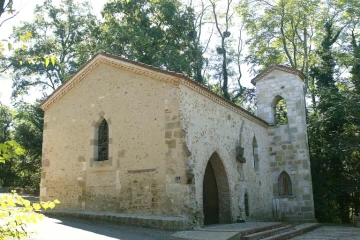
[225,89]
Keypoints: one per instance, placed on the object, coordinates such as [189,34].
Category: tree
[28,129]
[25,126]
[200,13]
[282,32]
[321,39]
[6,117]
[159,33]
[16,212]
[227,58]
[7,7]
[334,130]
[222,50]
[65,32]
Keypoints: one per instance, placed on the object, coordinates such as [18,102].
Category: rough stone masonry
[165,132]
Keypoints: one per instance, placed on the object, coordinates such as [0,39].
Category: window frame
[285,185]
[274,105]
[103,141]
[255,154]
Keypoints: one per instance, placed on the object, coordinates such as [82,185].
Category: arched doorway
[210,197]
[216,193]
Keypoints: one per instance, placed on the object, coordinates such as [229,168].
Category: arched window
[246,199]
[285,188]
[280,111]
[103,141]
[255,154]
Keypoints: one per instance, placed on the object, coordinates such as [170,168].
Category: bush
[15,211]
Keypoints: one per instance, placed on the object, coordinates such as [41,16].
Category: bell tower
[281,103]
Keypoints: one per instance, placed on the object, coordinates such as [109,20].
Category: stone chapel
[127,138]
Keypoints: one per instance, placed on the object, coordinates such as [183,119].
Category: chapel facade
[127,138]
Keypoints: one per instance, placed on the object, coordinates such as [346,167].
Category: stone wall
[144,145]
[288,144]
[210,127]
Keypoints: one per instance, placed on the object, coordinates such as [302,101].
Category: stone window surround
[290,187]
[94,142]
[289,196]
[274,102]
[103,141]
[255,154]
[220,171]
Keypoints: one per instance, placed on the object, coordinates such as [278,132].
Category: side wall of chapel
[210,126]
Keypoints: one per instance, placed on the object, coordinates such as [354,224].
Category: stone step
[299,229]
[149,221]
[260,229]
[268,233]
[227,231]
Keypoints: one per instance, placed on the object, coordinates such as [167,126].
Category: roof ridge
[278,67]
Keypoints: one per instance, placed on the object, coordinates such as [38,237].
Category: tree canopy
[61,32]
[159,33]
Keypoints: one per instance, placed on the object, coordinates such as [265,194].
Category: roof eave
[157,71]
[67,81]
[277,67]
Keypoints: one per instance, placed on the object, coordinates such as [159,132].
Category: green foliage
[334,143]
[281,32]
[28,127]
[320,38]
[6,7]
[24,127]
[16,212]
[60,36]
[334,131]
[159,33]
[6,117]
[281,113]
[9,150]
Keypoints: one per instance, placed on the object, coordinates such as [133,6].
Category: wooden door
[210,197]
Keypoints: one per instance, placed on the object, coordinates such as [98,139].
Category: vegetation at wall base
[16,212]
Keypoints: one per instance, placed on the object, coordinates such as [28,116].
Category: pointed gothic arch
[279,109]
[255,153]
[285,186]
[103,141]
[216,192]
